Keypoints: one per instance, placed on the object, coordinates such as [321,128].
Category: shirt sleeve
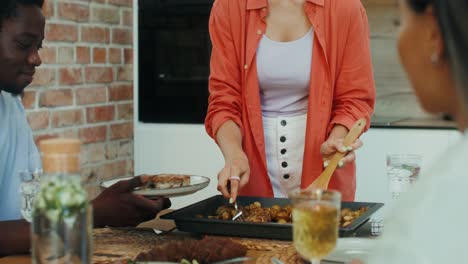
[224,102]
[34,156]
[354,95]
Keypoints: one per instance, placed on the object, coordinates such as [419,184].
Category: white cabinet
[371,158]
[188,149]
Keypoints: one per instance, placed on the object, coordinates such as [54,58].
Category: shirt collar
[257,4]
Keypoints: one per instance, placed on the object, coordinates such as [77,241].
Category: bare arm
[116,206]
[15,238]
[338,132]
[229,140]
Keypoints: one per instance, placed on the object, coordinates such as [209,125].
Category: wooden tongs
[322,181]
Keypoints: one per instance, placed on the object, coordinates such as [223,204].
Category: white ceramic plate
[348,249]
[196,183]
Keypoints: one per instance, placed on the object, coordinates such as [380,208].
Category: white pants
[284,148]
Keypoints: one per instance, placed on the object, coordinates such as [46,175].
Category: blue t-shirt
[17,152]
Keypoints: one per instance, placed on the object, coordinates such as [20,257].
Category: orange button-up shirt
[341,88]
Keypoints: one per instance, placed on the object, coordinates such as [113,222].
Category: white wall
[161,148]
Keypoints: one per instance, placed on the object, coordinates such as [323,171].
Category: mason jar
[62,215]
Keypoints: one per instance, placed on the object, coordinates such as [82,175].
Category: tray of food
[264,217]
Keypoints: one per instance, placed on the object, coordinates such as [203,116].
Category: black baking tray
[186,220]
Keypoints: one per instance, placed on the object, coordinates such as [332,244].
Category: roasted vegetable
[255,213]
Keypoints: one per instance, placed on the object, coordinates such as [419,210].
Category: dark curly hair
[452,16]
[8,8]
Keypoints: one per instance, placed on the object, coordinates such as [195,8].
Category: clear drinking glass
[29,188]
[61,228]
[316,218]
[402,171]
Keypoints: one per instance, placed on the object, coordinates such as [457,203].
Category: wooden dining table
[26,259]
[113,244]
[256,247]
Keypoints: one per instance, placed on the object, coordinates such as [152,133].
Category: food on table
[255,213]
[165,181]
[348,215]
[207,250]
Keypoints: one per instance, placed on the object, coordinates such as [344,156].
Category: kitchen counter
[412,123]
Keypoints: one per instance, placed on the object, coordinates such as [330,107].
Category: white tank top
[284,75]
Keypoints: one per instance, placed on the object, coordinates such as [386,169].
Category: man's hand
[118,206]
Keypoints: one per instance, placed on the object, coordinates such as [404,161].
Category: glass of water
[402,171]
[29,188]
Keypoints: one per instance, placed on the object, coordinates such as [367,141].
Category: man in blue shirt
[21,34]
[17,152]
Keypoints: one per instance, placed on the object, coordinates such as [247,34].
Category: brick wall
[84,87]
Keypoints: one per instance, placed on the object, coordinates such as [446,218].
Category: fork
[239,216]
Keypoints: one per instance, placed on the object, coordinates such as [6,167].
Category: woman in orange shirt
[288,80]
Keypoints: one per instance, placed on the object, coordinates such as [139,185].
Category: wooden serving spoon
[322,181]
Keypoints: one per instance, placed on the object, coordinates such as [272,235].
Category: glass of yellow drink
[315,222]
